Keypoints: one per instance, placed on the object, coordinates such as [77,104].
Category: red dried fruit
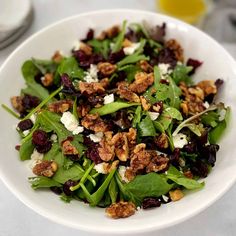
[39,137]
[29,102]
[194,63]
[158,33]
[66,187]
[151,203]
[89,36]
[25,124]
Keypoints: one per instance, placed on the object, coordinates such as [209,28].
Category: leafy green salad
[120,123]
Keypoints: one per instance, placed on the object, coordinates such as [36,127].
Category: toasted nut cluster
[158,162]
[142,82]
[68,148]
[145,104]
[131,135]
[94,122]
[91,88]
[125,92]
[176,195]
[110,33]
[47,79]
[121,210]
[60,106]
[83,110]
[108,167]
[176,48]
[121,146]
[17,104]
[106,68]
[162,141]
[86,48]
[126,43]
[45,168]
[208,87]
[57,57]
[145,66]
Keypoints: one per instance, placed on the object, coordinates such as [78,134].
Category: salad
[120,123]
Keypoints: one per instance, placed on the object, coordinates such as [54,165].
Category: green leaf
[216,133]
[55,154]
[137,116]
[180,73]
[43,182]
[70,67]
[149,185]
[173,113]
[146,127]
[26,150]
[45,66]
[100,46]
[130,71]
[211,118]
[113,190]
[111,108]
[77,143]
[132,59]
[65,198]
[196,129]
[157,76]
[120,38]
[177,177]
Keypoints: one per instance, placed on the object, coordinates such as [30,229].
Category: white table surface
[18,220]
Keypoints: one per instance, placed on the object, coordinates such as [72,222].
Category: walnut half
[45,168]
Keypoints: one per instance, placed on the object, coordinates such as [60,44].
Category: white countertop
[17,219]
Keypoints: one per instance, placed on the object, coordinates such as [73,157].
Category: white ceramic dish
[217,64]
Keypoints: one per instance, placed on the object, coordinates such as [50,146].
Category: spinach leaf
[55,154]
[216,133]
[113,190]
[177,177]
[196,129]
[43,182]
[180,73]
[132,59]
[146,127]
[45,66]
[70,67]
[137,116]
[101,46]
[111,108]
[211,118]
[26,149]
[130,71]
[77,143]
[157,77]
[120,38]
[65,198]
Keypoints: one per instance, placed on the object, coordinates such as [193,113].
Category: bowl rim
[53,217]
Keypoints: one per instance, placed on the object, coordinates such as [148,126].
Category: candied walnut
[45,168]
[176,195]
[157,107]
[162,141]
[83,110]
[60,106]
[95,123]
[120,142]
[106,148]
[57,57]
[131,136]
[104,82]
[129,174]
[121,210]
[198,92]
[145,66]
[158,162]
[208,86]
[86,48]
[140,158]
[145,104]
[108,167]
[184,107]
[188,174]
[17,104]
[126,93]
[47,79]
[142,82]
[68,148]
[176,48]
[106,68]
[109,33]
[126,43]
[91,88]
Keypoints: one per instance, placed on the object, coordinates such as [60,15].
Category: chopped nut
[145,104]
[158,162]
[121,210]
[176,48]
[47,79]
[110,33]
[106,68]
[45,168]
[142,82]
[129,174]
[120,142]
[60,106]
[131,136]
[188,174]
[91,88]
[126,43]
[83,110]
[109,167]
[106,150]
[176,195]
[57,57]
[104,82]
[68,148]
[208,86]
[162,141]
[95,123]
[17,104]
[126,93]
[198,92]
[145,66]
[86,48]
[157,107]
[184,107]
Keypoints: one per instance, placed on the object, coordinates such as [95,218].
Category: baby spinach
[120,38]
[216,133]
[112,107]
[101,46]
[45,66]
[132,59]
[137,116]
[43,182]
[113,190]
[180,73]
[130,71]
[146,127]
[26,149]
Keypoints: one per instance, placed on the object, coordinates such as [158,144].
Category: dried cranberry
[167,56]
[30,102]
[209,153]
[150,143]
[174,157]
[40,137]
[87,132]
[158,33]
[190,148]
[194,63]
[151,203]
[25,124]
[203,139]
[56,190]
[133,36]
[96,58]
[44,148]
[200,169]
[66,187]
[89,36]
[121,119]
[116,56]
[17,147]
[73,157]
[66,82]
[94,100]
[93,154]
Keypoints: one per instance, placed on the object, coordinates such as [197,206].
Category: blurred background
[19,19]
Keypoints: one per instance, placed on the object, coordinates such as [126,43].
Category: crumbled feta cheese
[96,137]
[109,98]
[36,155]
[180,140]
[42,78]
[138,208]
[153,115]
[165,198]
[206,104]
[92,74]
[100,168]
[71,123]
[121,172]
[131,49]
[222,114]
[33,118]
[54,138]
[76,45]
[164,70]
[26,132]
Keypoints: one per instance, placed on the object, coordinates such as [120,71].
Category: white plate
[217,64]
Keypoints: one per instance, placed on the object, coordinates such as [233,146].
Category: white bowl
[14,173]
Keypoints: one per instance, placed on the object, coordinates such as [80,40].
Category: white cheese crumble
[109,98]
[71,123]
[131,49]
[92,74]
[76,45]
[54,138]
[100,168]
[165,198]
[121,171]
[206,104]
[180,140]
[26,132]
[222,114]
[36,155]
[96,137]
[33,118]
[164,70]
[153,115]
